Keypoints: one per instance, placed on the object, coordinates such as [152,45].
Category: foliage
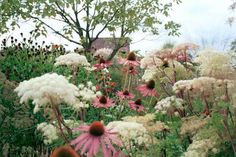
[86,20]
[191,115]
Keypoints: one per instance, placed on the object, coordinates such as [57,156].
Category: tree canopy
[83,21]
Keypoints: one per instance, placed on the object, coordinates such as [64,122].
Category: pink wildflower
[102,64]
[125,94]
[64,151]
[148,89]
[94,136]
[103,102]
[136,105]
[131,60]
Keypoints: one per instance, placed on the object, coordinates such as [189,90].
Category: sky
[203,22]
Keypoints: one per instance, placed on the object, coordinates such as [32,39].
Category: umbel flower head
[48,131]
[103,53]
[64,151]
[47,89]
[216,64]
[72,59]
[148,89]
[131,133]
[94,136]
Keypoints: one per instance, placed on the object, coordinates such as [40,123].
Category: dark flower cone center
[151,84]
[103,100]
[97,129]
[138,102]
[64,151]
[131,68]
[101,60]
[126,92]
[131,56]
[165,64]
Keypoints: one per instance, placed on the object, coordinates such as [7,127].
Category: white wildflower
[48,89]
[131,133]
[216,64]
[103,52]
[49,132]
[190,125]
[89,84]
[202,147]
[169,103]
[201,84]
[150,61]
[72,59]
[140,119]
[87,93]
[149,74]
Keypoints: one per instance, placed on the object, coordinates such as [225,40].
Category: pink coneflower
[131,60]
[136,105]
[130,70]
[183,58]
[103,102]
[94,136]
[64,151]
[148,89]
[125,94]
[102,64]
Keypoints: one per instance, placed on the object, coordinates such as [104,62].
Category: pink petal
[116,140]
[104,149]
[82,128]
[81,143]
[96,146]
[79,139]
[87,145]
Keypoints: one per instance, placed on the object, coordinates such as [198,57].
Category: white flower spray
[49,91]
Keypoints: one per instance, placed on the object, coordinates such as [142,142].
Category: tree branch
[55,31]
[105,26]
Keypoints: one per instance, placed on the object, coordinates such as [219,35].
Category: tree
[232,8]
[86,20]
[233,45]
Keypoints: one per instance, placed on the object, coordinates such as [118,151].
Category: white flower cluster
[164,64]
[103,52]
[201,84]
[149,74]
[168,103]
[176,71]
[48,89]
[216,64]
[200,148]
[150,61]
[148,122]
[49,132]
[87,93]
[190,125]
[131,133]
[140,119]
[72,59]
